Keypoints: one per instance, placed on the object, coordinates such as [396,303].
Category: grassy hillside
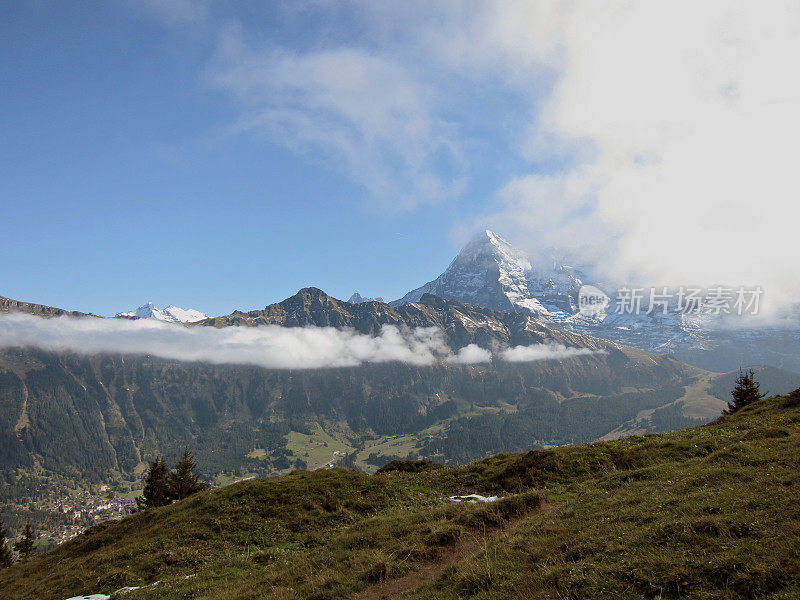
[709,512]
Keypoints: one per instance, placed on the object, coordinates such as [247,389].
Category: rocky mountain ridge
[7,305]
[460,323]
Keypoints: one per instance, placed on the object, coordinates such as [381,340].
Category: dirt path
[466,547]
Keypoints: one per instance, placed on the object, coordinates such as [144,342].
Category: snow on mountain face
[490,272]
[184,315]
[170,314]
[357,298]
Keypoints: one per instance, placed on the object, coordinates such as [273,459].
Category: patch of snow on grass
[473,498]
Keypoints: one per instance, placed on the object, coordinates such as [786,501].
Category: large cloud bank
[688,117]
[269,346]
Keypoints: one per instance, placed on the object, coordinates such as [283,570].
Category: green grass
[257,453]
[710,512]
[318,448]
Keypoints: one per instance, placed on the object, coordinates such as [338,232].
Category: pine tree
[156,486]
[745,392]
[24,545]
[184,481]
[6,556]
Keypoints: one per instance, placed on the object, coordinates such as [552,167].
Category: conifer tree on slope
[156,486]
[6,557]
[24,546]
[184,481]
[745,392]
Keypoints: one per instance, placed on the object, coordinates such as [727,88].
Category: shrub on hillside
[409,466]
[793,399]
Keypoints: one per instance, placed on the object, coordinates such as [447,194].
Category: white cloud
[389,94]
[469,355]
[543,352]
[268,346]
[561,209]
[363,113]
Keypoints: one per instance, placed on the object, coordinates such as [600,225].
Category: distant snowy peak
[146,311]
[491,272]
[170,314]
[184,315]
[358,299]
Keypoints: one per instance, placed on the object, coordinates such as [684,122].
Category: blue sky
[221,155]
[123,183]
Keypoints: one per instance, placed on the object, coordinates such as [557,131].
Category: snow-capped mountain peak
[488,241]
[184,315]
[170,314]
[489,271]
